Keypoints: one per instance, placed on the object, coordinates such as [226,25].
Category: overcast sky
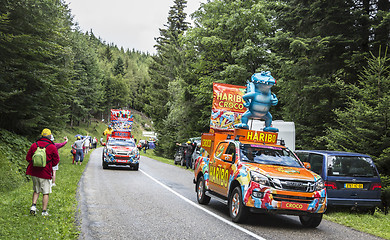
[126,23]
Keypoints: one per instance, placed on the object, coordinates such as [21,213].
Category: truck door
[220,167]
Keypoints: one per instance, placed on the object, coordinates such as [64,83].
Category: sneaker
[33,210]
[45,213]
[53,185]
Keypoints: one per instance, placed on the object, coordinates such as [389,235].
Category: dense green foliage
[52,74]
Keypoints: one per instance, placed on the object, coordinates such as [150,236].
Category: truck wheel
[104,164]
[238,211]
[136,167]
[200,192]
[311,220]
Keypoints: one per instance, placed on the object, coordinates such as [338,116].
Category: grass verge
[15,219]
[17,223]
[377,224]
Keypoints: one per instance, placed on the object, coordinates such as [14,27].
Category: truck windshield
[125,143]
[351,166]
[268,155]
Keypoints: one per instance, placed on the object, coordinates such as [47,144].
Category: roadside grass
[150,154]
[15,219]
[377,224]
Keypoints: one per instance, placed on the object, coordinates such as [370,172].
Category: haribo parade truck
[249,171]
[120,149]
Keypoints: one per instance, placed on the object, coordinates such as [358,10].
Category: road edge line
[204,209]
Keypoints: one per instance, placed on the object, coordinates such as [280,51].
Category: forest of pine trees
[330,59]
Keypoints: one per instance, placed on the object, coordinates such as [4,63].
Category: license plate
[121,161]
[294,206]
[353,185]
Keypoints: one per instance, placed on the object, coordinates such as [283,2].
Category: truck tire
[136,167]
[104,164]
[311,221]
[201,192]
[237,210]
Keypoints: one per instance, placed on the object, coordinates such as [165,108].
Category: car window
[351,166]
[125,143]
[303,156]
[268,155]
[316,161]
[231,150]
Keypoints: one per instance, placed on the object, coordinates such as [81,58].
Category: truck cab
[249,171]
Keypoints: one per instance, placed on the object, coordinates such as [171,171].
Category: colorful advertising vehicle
[249,171]
[120,149]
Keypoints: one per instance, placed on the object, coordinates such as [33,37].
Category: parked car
[351,179]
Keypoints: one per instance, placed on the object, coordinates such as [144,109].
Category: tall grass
[15,219]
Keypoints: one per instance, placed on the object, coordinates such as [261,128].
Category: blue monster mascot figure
[258,99]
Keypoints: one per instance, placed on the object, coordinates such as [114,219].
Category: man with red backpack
[42,175]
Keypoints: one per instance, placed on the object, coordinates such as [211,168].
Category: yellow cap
[189,142]
[46,132]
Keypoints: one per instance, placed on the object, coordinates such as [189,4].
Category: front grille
[301,186]
[122,153]
[122,158]
[288,198]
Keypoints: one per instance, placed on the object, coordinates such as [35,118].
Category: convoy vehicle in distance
[120,151]
[351,179]
[248,171]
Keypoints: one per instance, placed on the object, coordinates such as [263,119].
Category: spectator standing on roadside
[188,149]
[55,168]
[86,145]
[41,176]
[94,142]
[78,145]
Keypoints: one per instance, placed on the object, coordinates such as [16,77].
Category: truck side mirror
[307,165]
[227,157]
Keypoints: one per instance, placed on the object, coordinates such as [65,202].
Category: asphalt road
[159,202]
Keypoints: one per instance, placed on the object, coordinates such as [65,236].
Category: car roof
[333,153]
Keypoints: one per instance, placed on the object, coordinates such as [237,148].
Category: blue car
[351,179]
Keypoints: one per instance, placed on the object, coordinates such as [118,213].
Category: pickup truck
[248,171]
[120,149]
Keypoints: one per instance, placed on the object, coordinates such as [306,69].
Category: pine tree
[364,126]
[164,70]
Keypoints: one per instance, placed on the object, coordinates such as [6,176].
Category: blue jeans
[188,161]
[79,155]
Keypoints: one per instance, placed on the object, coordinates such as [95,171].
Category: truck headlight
[320,184]
[259,178]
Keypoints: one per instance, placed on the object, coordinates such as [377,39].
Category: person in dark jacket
[188,150]
[41,176]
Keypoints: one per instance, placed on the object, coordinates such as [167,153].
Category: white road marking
[205,210]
